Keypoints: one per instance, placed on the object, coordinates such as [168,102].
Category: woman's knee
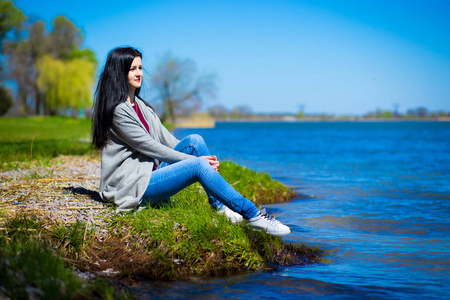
[195,139]
[202,162]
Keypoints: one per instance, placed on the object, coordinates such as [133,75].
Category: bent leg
[173,178]
[194,144]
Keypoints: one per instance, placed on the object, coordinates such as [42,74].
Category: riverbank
[202,121]
[56,208]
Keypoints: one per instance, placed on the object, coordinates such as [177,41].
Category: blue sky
[338,57]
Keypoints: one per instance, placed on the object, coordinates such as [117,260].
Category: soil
[61,194]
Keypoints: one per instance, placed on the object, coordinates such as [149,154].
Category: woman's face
[135,74]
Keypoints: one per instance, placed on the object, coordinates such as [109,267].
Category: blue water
[376,194]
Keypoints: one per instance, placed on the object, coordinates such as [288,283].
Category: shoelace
[268,217]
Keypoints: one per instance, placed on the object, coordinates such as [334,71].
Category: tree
[65,38]
[243,111]
[86,54]
[19,70]
[58,54]
[420,112]
[301,113]
[22,58]
[218,111]
[179,88]
[38,47]
[10,18]
[387,114]
[66,84]
[5,100]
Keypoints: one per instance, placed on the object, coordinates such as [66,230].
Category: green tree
[387,114]
[86,54]
[65,71]
[11,18]
[65,38]
[301,115]
[66,84]
[179,88]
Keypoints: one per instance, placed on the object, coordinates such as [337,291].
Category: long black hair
[112,89]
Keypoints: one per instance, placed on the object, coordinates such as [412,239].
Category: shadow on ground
[94,195]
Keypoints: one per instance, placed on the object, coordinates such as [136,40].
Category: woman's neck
[131,96]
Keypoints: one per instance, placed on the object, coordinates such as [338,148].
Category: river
[376,194]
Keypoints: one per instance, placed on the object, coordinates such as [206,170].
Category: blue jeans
[169,179]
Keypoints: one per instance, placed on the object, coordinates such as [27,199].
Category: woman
[141,162]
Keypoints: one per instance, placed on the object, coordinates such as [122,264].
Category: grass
[186,238]
[29,268]
[24,141]
[36,140]
[178,240]
[181,239]
[256,186]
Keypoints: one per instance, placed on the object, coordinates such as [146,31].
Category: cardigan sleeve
[127,128]
[165,136]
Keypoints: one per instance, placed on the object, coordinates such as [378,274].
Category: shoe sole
[277,233]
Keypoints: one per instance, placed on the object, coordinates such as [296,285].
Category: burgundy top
[141,117]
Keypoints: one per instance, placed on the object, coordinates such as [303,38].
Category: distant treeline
[219,112]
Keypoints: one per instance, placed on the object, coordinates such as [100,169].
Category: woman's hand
[213,161]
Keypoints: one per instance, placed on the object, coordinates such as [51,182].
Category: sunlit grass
[182,239]
[39,139]
[258,187]
[29,268]
[178,240]
[186,238]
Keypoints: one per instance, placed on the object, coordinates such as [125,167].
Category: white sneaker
[264,212]
[268,223]
[233,216]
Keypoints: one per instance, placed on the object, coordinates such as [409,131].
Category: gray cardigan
[128,158]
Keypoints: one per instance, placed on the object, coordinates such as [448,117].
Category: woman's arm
[171,141]
[166,137]
[135,136]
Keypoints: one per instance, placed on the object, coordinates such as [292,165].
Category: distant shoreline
[200,123]
[334,120]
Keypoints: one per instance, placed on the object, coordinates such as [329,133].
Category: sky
[324,56]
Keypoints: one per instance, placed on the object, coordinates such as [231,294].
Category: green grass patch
[186,238]
[257,186]
[24,141]
[29,268]
[181,239]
